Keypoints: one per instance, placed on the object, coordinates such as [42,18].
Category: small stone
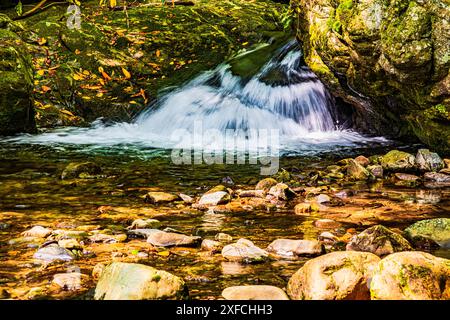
[244,251]
[376,170]
[303,209]
[327,224]
[406,177]
[355,171]
[281,191]
[397,160]
[254,292]
[145,224]
[321,198]
[428,161]
[107,238]
[362,161]
[211,246]
[38,232]
[53,252]
[75,170]
[437,177]
[142,233]
[266,184]
[214,198]
[156,197]
[69,281]
[252,193]
[378,240]
[186,198]
[69,244]
[223,237]
[328,237]
[97,270]
[171,239]
[292,248]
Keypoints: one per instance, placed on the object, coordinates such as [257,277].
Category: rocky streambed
[361,225]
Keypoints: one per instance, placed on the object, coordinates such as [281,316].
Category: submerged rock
[171,239]
[38,232]
[107,238]
[145,224]
[355,171]
[156,197]
[53,252]
[131,281]
[288,248]
[428,161]
[378,240]
[435,230]
[69,281]
[281,191]
[214,198]
[69,244]
[411,276]
[77,170]
[303,209]
[397,160]
[341,275]
[223,237]
[256,292]
[244,251]
[211,246]
[327,224]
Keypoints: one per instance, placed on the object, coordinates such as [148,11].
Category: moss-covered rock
[389,59]
[397,160]
[437,230]
[411,275]
[16,76]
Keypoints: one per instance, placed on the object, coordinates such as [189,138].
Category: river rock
[131,281]
[376,170]
[406,177]
[266,184]
[145,224]
[223,237]
[327,224]
[289,248]
[186,198]
[244,251]
[322,198]
[303,209]
[362,161]
[211,246]
[411,275]
[437,177]
[143,233]
[69,281]
[281,191]
[378,240]
[171,239]
[70,244]
[252,193]
[214,198]
[38,232]
[435,230]
[428,161]
[341,275]
[107,238]
[397,160]
[256,292]
[156,197]
[328,238]
[76,170]
[447,163]
[355,171]
[53,252]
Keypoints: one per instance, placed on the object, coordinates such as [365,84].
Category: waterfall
[283,95]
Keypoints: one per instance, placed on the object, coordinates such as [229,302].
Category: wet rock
[145,224]
[186,198]
[327,224]
[328,238]
[435,230]
[156,197]
[428,161]
[437,177]
[281,191]
[77,170]
[98,270]
[107,238]
[223,237]
[355,171]
[321,198]
[334,168]
[378,240]
[254,293]
[214,198]
[72,234]
[411,276]
[69,281]
[38,232]
[171,239]
[303,208]
[376,170]
[428,196]
[244,251]
[362,161]
[69,244]
[406,177]
[211,246]
[289,248]
[397,160]
[53,252]
[131,281]
[266,184]
[341,275]
[252,193]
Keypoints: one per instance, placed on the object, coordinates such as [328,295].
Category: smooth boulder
[289,248]
[172,239]
[244,251]
[256,292]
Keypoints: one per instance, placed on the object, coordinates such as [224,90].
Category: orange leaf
[158,53]
[45,88]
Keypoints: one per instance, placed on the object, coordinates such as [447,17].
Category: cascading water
[284,95]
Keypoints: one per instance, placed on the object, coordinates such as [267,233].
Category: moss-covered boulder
[16,80]
[411,275]
[389,59]
[341,275]
[436,230]
[396,160]
[131,281]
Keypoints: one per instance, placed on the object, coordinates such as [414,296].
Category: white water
[298,106]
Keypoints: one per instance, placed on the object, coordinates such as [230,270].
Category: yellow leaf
[78,76]
[41,72]
[77,51]
[245,43]
[126,73]
[100,69]
[42,41]
[45,88]
[112,3]
[86,72]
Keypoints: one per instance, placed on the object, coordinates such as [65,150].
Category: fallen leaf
[45,88]
[158,53]
[126,73]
